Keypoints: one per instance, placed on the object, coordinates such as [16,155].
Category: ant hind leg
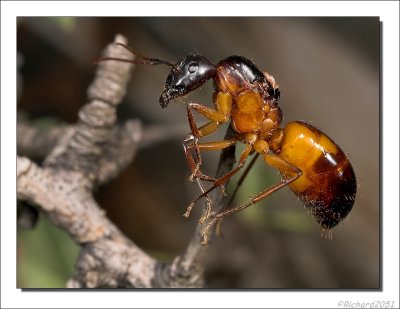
[272,160]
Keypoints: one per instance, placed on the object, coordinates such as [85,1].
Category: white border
[11,297]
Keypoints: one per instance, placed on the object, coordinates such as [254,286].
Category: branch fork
[86,155]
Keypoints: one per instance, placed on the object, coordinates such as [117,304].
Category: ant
[313,166]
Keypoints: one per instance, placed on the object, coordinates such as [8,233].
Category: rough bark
[79,157]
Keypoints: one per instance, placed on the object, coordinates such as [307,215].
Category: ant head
[185,76]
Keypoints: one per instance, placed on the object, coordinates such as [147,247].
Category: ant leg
[191,140]
[238,184]
[219,115]
[192,164]
[272,160]
[208,146]
[208,202]
[223,179]
[198,180]
[219,145]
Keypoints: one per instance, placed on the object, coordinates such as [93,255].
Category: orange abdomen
[328,183]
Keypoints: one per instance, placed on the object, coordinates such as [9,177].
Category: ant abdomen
[327,185]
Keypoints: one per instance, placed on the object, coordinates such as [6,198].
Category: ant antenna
[146,60]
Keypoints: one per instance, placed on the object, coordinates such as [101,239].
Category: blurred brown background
[328,72]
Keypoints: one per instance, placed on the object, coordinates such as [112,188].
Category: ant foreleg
[217,116]
[191,140]
[208,205]
[188,146]
[217,182]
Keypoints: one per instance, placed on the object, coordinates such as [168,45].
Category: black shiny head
[185,76]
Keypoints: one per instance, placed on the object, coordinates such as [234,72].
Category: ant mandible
[310,163]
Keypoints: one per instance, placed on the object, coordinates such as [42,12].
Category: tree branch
[82,150]
[37,143]
[90,153]
[189,266]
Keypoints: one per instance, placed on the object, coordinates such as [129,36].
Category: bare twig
[82,150]
[190,265]
[90,153]
[37,143]
[82,158]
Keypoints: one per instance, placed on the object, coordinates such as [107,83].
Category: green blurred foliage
[46,122]
[66,23]
[46,256]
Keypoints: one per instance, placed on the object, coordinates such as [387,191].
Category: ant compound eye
[271,92]
[193,67]
[277,93]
